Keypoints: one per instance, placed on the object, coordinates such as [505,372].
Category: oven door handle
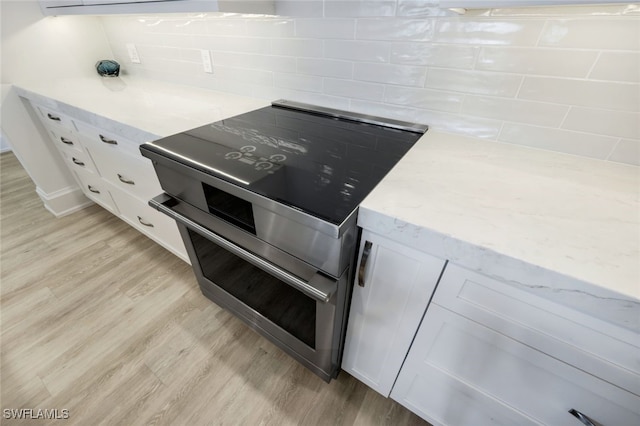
[319,287]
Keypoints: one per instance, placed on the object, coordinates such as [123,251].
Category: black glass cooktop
[312,161]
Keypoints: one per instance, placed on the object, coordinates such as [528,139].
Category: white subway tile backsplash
[530,60]
[479,127]
[297,8]
[235,44]
[325,28]
[391,74]
[434,55]
[261,62]
[308,83]
[596,94]
[359,8]
[617,66]
[337,102]
[305,48]
[177,40]
[195,26]
[243,75]
[171,66]
[325,67]
[538,113]
[189,55]
[166,25]
[560,78]
[488,31]
[394,29]
[247,88]
[627,151]
[604,122]
[465,124]
[577,143]
[414,115]
[275,27]
[150,52]
[424,98]
[368,51]
[620,33]
[420,8]
[478,82]
[572,10]
[353,89]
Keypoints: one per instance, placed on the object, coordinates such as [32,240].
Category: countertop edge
[614,307]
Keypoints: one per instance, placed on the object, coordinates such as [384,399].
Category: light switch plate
[206,61]
[133,53]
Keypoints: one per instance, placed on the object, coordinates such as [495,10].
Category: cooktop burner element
[320,161]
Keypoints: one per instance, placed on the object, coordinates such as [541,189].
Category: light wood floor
[99,320]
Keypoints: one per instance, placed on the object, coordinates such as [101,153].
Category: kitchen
[557,78]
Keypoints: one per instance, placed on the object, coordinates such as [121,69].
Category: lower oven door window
[280,303]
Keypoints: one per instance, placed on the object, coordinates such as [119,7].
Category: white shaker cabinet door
[459,372]
[392,290]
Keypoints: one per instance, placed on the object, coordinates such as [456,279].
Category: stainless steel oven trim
[352,116]
[319,287]
[188,168]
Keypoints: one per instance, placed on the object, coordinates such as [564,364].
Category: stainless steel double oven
[266,203]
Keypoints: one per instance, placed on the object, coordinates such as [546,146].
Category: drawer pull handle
[66,141]
[76,161]
[127,181]
[366,251]
[92,189]
[53,117]
[107,140]
[143,222]
[584,419]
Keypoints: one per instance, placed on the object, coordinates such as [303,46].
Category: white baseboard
[64,201]
[5,149]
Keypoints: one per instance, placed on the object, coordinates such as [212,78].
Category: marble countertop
[552,223]
[555,223]
[153,107]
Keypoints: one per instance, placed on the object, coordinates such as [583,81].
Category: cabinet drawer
[53,119]
[102,141]
[79,160]
[66,140]
[603,349]
[96,189]
[493,373]
[152,223]
[134,175]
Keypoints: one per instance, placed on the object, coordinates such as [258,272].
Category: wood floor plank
[100,320]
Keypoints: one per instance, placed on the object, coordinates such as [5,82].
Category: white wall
[35,48]
[4,143]
[559,78]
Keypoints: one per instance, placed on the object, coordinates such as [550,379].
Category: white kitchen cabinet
[96,189]
[397,283]
[460,372]
[492,352]
[120,162]
[606,350]
[111,172]
[150,222]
